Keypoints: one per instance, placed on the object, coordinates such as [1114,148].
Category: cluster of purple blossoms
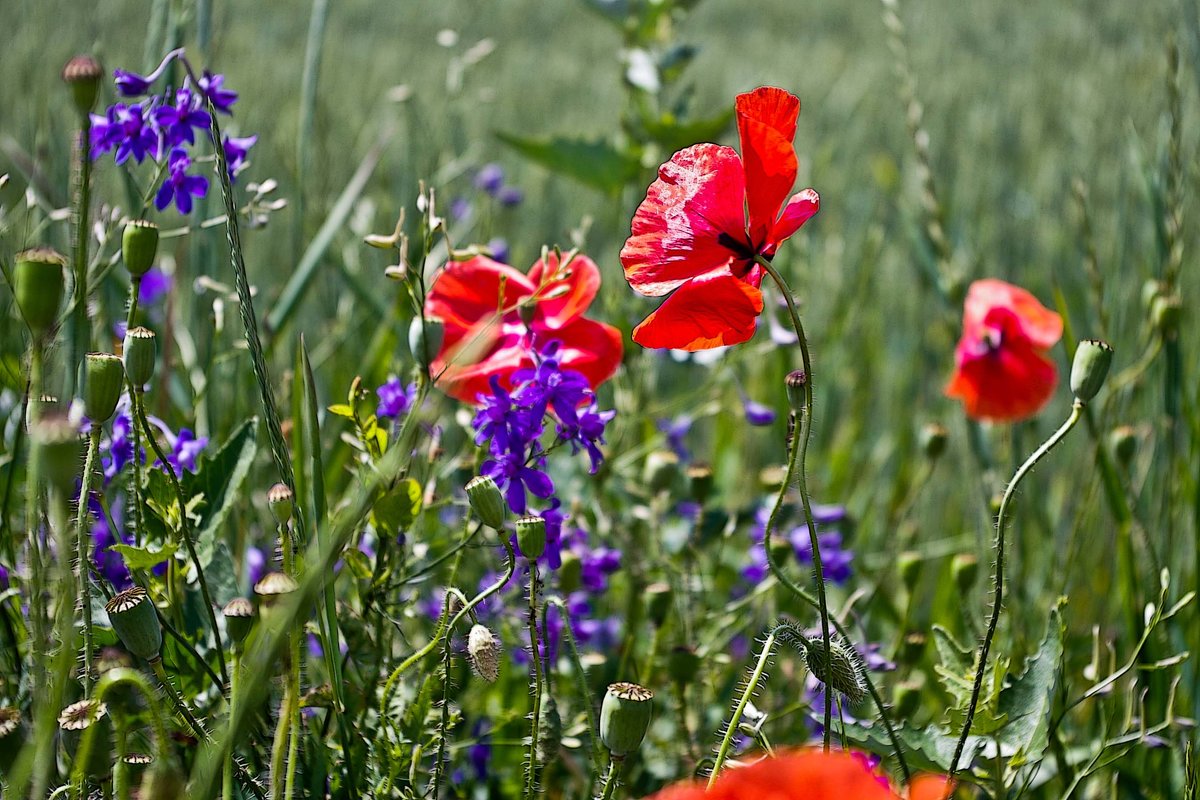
[164,127]
[836,560]
[395,399]
[511,423]
[490,179]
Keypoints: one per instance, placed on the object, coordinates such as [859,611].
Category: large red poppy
[809,774]
[496,316]
[696,235]
[1002,372]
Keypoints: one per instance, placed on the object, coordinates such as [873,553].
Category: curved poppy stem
[796,471]
[998,592]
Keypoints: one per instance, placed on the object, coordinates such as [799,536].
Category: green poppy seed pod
[425,339]
[661,471]
[162,782]
[933,440]
[105,382]
[139,761]
[1165,313]
[483,651]
[140,352]
[795,382]
[282,502]
[486,501]
[274,586]
[964,567]
[843,671]
[38,287]
[913,648]
[906,699]
[12,737]
[239,619]
[531,536]
[77,718]
[139,246]
[658,602]
[700,482]
[1123,441]
[82,74]
[570,573]
[683,664]
[62,449]
[1092,360]
[908,564]
[625,717]
[135,622]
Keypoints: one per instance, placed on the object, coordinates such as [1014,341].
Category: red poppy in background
[1002,371]
[496,316]
[704,220]
[810,774]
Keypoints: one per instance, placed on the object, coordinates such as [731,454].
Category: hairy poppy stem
[998,592]
[796,471]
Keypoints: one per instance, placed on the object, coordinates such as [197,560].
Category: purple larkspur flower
[498,247]
[185,447]
[130,84]
[109,562]
[490,178]
[255,564]
[212,86]
[155,285]
[177,122]
[836,561]
[127,128]
[3,577]
[510,196]
[395,399]
[179,185]
[236,150]
[676,431]
[511,471]
[118,450]
[757,414]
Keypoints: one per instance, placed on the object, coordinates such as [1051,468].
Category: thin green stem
[37,600]
[82,538]
[998,593]
[227,792]
[81,324]
[747,693]
[531,781]
[580,680]
[612,777]
[181,706]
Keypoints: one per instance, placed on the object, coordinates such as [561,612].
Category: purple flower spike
[395,399]
[130,84]
[129,129]
[179,186]
[211,87]
[236,149]
[155,285]
[177,121]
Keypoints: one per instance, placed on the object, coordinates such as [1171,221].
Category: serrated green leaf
[1028,700]
[927,750]
[597,164]
[143,557]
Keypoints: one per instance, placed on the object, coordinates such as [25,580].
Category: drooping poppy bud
[105,382]
[483,651]
[965,569]
[1123,441]
[933,440]
[425,338]
[625,717]
[842,671]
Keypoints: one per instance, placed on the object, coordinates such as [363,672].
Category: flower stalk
[82,538]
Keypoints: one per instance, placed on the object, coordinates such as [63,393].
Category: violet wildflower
[395,399]
[490,178]
[130,84]
[236,150]
[185,448]
[510,196]
[129,129]
[155,285]
[212,86]
[118,450]
[498,247]
[757,414]
[676,431]
[255,565]
[177,121]
[3,577]
[179,186]
[460,209]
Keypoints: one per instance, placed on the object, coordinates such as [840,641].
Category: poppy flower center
[744,251]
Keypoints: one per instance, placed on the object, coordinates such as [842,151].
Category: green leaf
[144,557]
[597,164]
[219,479]
[1028,700]
[222,575]
[674,134]
[927,750]
[358,563]
[396,510]
[342,410]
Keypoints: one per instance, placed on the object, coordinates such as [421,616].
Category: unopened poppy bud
[61,449]
[1165,313]
[1123,441]
[843,671]
[38,287]
[281,502]
[700,481]
[795,382]
[933,440]
[570,573]
[965,569]
[82,74]
[239,619]
[132,616]
[661,471]
[105,382]
[12,736]
[913,648]
[908,564]
[140,351]
[425,339]
[74,721]
[906,699]
[550,731]
[658,602]
[531,536]
[486,501]
[483,651]
[1092,360]
[683,664]
[139,246]
[625,717]
[162,782]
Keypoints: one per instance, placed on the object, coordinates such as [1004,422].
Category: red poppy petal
[930,787]
[766,121]
[809,774]
[1042,326]
[563,295]
[799,210]
[589,347]
[466,381]
[467,292]
[711,311]
[1009,384]
[698,196]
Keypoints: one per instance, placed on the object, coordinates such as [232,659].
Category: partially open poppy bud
[82,74]
[531,536]
[700,481]
[658,602]
[795,383]
[12,737]
[1092,360]
[282,502]
[843,671]
[933,440]
[661,471]
[625,717]
[61,449]
[1123,441]
[77,718]
[38,287]
[135,622]
[105,382]
[683,664]
[908,564]
[965,569]
[483,651]
[486,501]
[140,352]
[425,338]
[239,619]
[139,246]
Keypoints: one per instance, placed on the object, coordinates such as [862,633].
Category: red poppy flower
[495,316]
[1002,371]
[809,774]
[704,220]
